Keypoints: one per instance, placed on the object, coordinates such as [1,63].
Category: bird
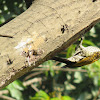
[82,56]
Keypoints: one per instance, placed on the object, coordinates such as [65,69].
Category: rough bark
[52,24]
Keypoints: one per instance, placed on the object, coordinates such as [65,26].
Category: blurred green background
[49,81]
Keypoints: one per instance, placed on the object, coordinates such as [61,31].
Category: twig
[4,92]
[6,97]
[32,81]
[59,69]
[36,89]
[32,75]
[48,69]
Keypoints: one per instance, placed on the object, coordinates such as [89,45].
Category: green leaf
[18,85]
[66,98]
[15,92]
[70,50]
[41,95]
[55,98]
[99,82]
[88,42]
[62,98]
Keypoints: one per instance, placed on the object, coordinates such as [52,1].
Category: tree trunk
[42,31]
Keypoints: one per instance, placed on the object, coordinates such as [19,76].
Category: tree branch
[45,29]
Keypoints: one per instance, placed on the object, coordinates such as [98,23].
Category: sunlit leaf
[14,92]
[41,95]
[18,85]
[66,98]
[55,98]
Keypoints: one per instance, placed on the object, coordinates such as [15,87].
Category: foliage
[15,89]
[41,95]
[52,82]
